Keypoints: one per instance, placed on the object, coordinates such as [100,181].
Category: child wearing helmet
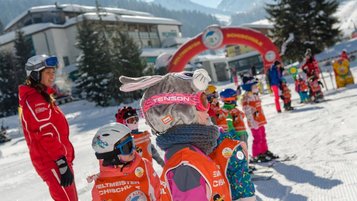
[233,122]
[46,129]
[256,120]
[302,88]
[175,107]
[129,117]
[286,95]
[212,97]
[124,175]
[315,89]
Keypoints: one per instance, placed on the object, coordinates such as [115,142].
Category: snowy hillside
[241,5]
[322,136]
[347,14]
[188,5]
[249,11]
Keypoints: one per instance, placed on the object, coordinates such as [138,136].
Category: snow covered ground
[323,136]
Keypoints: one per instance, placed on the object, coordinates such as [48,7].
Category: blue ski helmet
[248,82]
[228,96]
[227,93]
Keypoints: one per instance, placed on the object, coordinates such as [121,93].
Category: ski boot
[271,155]
[261,158]
[251,169]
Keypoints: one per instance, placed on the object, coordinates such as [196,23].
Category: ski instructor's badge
[240,155]
[139,172]
[227,152]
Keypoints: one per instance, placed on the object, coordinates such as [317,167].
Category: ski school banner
[215,37]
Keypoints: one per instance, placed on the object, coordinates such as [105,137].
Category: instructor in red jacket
[46,129]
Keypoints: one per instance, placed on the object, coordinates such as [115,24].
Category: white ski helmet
[37,63]
[107,136]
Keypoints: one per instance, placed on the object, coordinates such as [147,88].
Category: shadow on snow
[299,175]
[273,189]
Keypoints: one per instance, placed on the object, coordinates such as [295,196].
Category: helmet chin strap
[116,162]
[123,163]
[112,159]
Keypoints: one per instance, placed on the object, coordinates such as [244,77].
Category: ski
[271,163]
[261,176]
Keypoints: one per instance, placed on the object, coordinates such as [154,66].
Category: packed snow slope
[323,137]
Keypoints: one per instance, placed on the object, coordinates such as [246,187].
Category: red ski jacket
[311,68]
[45,129]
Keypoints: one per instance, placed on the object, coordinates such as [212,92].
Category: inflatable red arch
[214,37]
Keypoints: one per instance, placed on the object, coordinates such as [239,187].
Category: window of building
[28,40]
[153,28]
[149,43]
[66,61]
[132,27]
[37,20]
[172,33]
[220,68]
[143,28]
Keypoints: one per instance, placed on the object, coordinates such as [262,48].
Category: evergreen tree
[311,21]
[126,61]
[23,52]
[94,63]
[1,27]
[8,90]
[12,74]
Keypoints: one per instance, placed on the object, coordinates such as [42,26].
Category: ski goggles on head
[50,62]
[229,99]
[198,99]
[132,120]
[212,96]
[126,147]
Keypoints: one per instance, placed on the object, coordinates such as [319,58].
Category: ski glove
[66,173]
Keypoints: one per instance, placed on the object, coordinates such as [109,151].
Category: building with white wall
[52,29]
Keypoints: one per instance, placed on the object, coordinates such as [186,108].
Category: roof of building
[105,16]
[129,18]
[154,52]
[10,36]
[74,8]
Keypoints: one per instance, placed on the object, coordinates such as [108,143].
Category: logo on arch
[270,56]
[212,37]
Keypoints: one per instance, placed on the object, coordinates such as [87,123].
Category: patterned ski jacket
[137,181]
[252,107]
[45,129]
[232,157]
